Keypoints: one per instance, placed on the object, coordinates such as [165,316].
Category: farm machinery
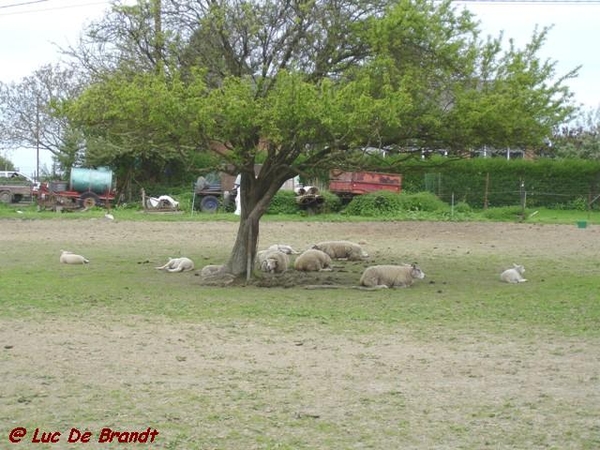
[86,188]
[346,185]
[15,187]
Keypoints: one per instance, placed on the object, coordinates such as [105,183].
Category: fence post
[523,193]
[487,189]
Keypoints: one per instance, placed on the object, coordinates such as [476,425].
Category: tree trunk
[256,195]
[244,250]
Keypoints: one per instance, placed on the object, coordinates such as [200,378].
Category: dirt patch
[249,386]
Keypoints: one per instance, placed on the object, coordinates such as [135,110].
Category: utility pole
[37,139]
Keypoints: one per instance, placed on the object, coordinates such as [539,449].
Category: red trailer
[349,184]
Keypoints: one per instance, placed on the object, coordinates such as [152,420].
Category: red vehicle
[349,184]
[87,188]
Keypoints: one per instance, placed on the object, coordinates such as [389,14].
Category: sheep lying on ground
[272,261]
[287,249]
[342,250]
[71,258]
[212,270]
[313,260]
[182,264]
[514,275]
[387,276]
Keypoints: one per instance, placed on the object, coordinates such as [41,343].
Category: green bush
[332,203]
[375,204]
[284,202]
[578,204]
[384,203]
[422,201]
[462,207]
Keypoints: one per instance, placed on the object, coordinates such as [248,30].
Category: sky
[31,34]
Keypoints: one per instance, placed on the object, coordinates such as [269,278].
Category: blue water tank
[95,180]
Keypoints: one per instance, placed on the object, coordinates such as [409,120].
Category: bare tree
[28,115]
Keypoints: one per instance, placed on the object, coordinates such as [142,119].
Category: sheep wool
[387,276]
[287,249]
[71,258]
[273,261]
[313,260]
[513,275]
[212,270]
[182,264]
[342,250]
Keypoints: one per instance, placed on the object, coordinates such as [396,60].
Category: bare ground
[215,385]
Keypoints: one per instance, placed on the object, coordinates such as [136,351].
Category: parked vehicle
[220,189]
[15,187]
[85,189]
[348,184]
[214,190]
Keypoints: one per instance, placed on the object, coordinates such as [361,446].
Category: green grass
[564,302]
[502,214]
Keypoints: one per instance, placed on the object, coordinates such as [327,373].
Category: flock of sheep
[318,258]
[276,260]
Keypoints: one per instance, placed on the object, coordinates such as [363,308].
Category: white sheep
[212,270]
[387,276]
[313,260]
[67,257]
[182,264]
[342,250]
[272,261]
[287,249]
[513,275]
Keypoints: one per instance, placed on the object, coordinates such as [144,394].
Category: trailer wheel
[5,197]
[209,203]
[89,200]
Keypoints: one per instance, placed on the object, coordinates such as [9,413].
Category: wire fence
[487,190]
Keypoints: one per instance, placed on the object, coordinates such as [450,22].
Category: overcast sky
[30,34]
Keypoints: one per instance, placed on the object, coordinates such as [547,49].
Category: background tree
[305,85]
[28,118]
[579,138]
[6,164]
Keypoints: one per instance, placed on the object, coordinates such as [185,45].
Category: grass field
[458,361]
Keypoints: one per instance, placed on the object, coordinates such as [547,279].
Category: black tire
[5,197]
[89,200]
[209,204]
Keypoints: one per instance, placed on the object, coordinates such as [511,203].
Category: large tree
[304,85]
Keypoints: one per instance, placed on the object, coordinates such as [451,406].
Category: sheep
[387,276]
[212,270]
[287,249]
[342,250]
[272,261]
[513,275]
[67,257]
[313,260]
[182,264]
